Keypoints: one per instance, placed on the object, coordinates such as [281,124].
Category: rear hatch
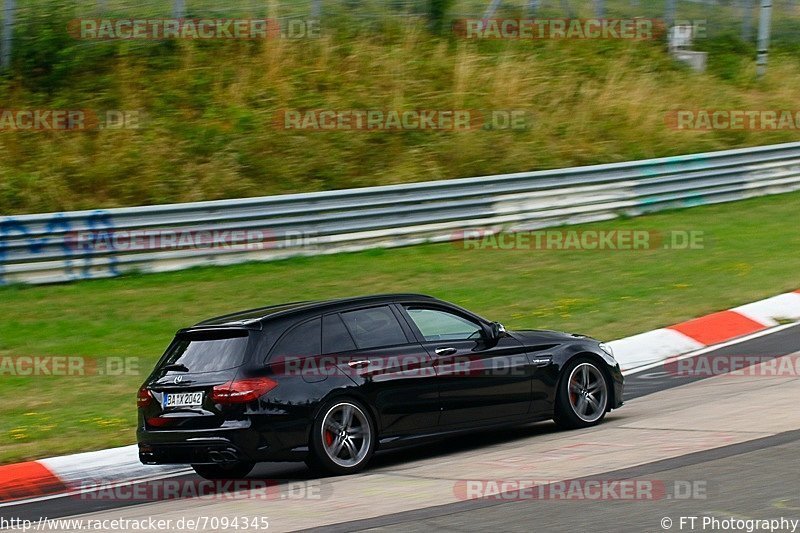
[195,368]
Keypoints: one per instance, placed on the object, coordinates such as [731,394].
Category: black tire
[572,412]
[360,434]
[231,471]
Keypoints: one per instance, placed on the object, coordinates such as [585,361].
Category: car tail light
[143,397]
[242,390]
[158,422]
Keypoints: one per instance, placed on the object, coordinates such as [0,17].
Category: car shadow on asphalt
[404,457]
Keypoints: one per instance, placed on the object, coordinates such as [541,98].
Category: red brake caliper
[328,437]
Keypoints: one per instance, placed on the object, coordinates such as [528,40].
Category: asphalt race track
[744,480]
[721,448]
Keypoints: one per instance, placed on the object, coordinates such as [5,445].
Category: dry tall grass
[208,130]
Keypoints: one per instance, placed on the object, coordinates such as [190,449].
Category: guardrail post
[763,37]
[178,9]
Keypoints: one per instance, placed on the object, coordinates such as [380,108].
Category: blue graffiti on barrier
[60,232]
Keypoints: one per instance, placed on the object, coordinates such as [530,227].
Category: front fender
[607,364]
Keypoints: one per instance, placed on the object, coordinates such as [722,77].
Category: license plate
[182,399]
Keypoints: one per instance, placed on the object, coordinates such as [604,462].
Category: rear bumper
[210,452]
[218,446]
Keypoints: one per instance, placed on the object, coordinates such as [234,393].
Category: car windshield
[192,353]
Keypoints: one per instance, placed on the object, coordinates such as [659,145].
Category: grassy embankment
[207,129]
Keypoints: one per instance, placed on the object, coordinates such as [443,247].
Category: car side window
[437,325]
[374,327]
[335,337]
[301,341]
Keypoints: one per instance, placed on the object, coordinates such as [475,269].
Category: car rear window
[207,351]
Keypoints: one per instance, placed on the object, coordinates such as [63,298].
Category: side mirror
[498,330]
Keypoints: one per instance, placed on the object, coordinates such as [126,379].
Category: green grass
[751,253]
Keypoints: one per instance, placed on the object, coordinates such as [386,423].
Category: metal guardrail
[74,245]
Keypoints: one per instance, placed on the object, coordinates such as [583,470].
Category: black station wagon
[331,382]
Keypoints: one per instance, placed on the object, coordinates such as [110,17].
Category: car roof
[252,317]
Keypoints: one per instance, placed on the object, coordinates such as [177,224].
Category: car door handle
[358,364]
[445,351]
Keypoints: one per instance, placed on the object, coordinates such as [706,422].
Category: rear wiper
[178,367]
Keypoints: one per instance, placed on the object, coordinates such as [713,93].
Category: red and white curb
[661,344]
[47,478]
[73,473]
